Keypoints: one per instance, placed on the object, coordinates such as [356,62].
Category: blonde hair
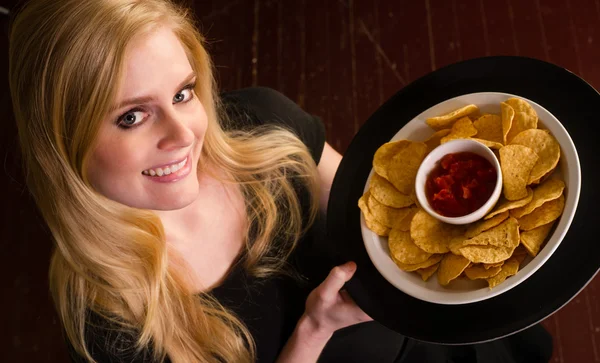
[65,62]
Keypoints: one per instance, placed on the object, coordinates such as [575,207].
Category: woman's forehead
[153,61]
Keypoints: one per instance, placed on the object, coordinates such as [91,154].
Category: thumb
[336,279]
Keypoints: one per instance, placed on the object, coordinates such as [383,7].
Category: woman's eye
[183,96]
[131,118]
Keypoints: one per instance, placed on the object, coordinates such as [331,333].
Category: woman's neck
[209,233]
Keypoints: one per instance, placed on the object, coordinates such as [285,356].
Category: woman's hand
[328,308]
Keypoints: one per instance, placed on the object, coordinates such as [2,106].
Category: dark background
[339,59]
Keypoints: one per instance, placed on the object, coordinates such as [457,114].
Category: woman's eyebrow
[186,81]
[143,99]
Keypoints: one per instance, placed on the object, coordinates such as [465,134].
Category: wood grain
[340,60]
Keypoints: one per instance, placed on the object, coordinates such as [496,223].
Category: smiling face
[148,147]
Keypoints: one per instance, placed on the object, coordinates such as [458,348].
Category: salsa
[460,184]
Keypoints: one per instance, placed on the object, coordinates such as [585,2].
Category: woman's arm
[304,346]
[328,165]
[328,308]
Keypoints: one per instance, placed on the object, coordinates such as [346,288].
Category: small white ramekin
[432,160]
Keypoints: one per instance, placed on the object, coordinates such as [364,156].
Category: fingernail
[350,266]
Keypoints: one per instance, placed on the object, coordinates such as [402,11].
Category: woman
[185,224]
[175,214]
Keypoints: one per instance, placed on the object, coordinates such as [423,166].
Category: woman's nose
[176,132]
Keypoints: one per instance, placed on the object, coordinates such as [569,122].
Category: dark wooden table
[340,60]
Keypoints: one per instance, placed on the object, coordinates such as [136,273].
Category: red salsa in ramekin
[460,184]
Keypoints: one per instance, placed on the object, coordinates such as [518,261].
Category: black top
[271,307]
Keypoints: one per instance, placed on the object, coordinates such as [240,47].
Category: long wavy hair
[66,59]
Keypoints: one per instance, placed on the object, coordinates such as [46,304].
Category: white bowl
[464,291]
[431,162]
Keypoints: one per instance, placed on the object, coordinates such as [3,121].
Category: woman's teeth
[165,171]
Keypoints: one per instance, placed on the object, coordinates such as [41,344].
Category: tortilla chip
[462,129]
[505,234]
[427,272]
[516,162]
[486,254]
[404,166]
[489,127]
[479,271]
[525,117]
[534,239]
[385,215]
[545,146]
[546,213]
[508,114]
[483,225]
[490,144]
[385,193]
[549,190]
[520,105]
[404,223]
[446,121]
[435,139]
[404,249]
[521,122]
[431,235]
[504,205]
[520,257]
[414,267]
[492,265]
[508,269]
[370,221]
[520,251]
[451,267]
[383,156]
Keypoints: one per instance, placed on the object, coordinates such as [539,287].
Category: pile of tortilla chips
[494,247]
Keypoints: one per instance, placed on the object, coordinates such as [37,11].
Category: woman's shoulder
[266,103]
[257,106]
